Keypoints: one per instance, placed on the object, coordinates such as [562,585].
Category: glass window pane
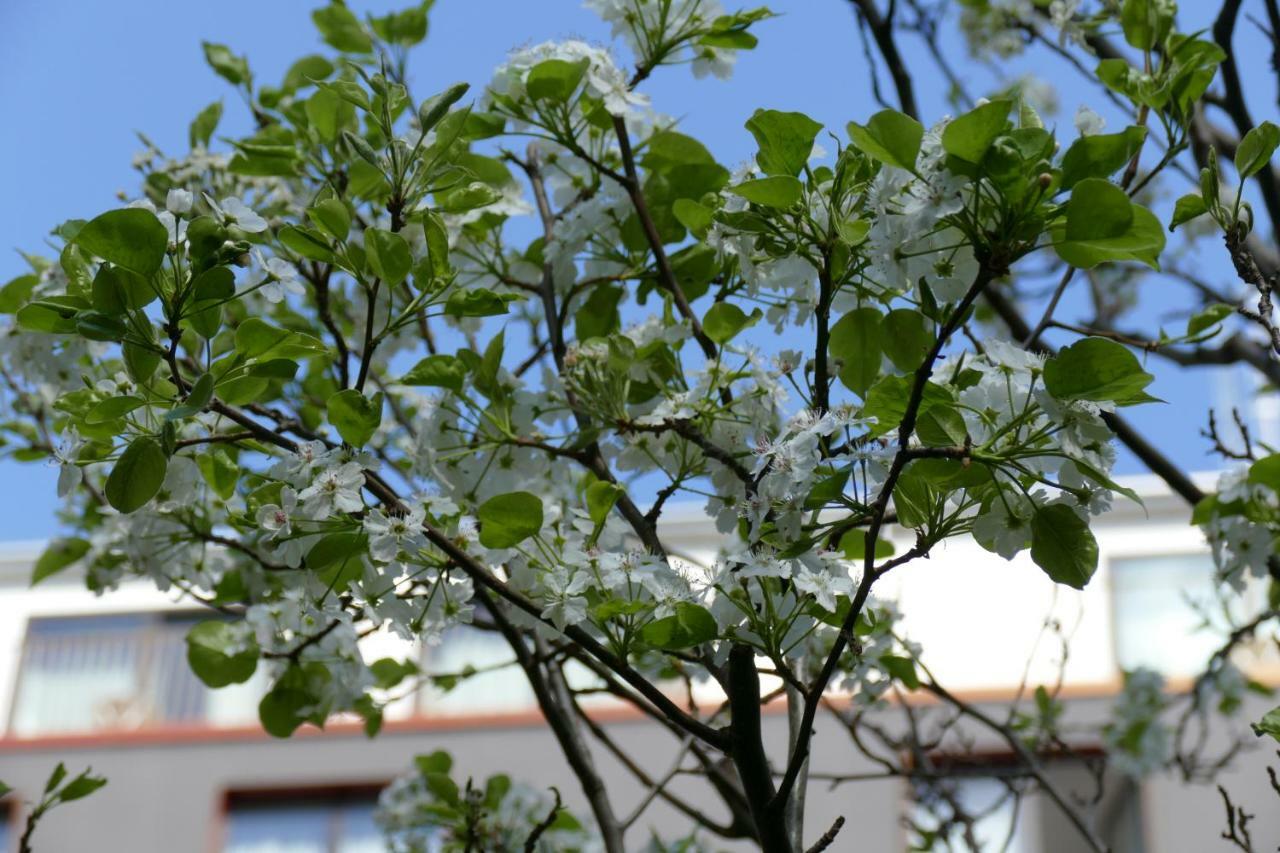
[360,834]
[984,799]
[280,828]
[118,671]
[462,647]
[78,675]
[1156,624]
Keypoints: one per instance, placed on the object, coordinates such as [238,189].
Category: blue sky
[81,78]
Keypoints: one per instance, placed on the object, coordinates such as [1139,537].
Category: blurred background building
[104,682]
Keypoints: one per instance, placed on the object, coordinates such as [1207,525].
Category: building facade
[103,682]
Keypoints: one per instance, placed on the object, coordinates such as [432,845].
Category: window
[498,686]
[940,815]
[1157,623]
[117,671]
[321,822]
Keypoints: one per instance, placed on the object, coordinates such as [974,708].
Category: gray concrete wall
[165,794]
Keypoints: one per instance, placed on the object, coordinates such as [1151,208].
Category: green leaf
[332,217]
[780,191]
[80,787]
[1255,150]
[907,338]
[16,292]
[438,371]
[197,398]
[328,113]
[389,255]
[724,320]
[437,106]
[437,762]
[1098,209]
[1096,369]
[1208,318]
[286,706]
[1103,225]
[222,653]
[601,497]
[1189,207]
[97,326]
[857,342]
[355,416]
[111,408]
[55,314]
[968,137]
[1266,472]
[507,520]
[903,669]
[258,339]
[1144,23]
[204,124]
[689,626]
[340,28]
[1100,155]
[234,69]
[131,238]
[785,140]
[891,137]
[58,555]
[220,471]
[887,402]
[555,80]
[137,475]
[116,290]
[1268,725]
[598,315]
[305,72]
[1063,546]
[474,195]
[307,242]
[477,302]
[388,672]
[55,778]
[853,544]
[694,216]
[406,27]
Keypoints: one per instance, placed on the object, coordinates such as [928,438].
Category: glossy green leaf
[388,254]
[1190,206]
[1096,369]
[58,555]
[724,320]
[137,475]
[555,80]
[438,371]
[204,124]
[1063,546]
[785,140]
[355,416]
[340,28]
[967,137]
[234,69]
[1255,150]
[1100,155]
[857,344]
[689,626]
[507,520]
[130,237]
[779,191]
[891,137]
[222,653]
